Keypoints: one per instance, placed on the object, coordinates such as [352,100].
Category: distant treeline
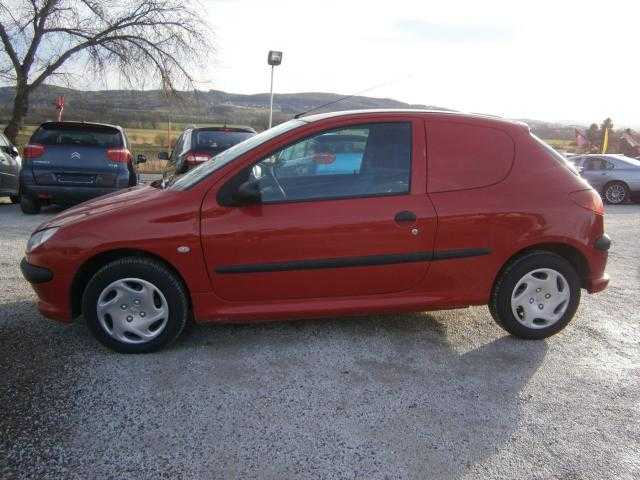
[153,109]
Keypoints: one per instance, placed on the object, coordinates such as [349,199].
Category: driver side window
[362,160]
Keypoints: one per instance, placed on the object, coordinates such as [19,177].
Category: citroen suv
[69,162]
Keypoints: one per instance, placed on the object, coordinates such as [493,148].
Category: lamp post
[274,59]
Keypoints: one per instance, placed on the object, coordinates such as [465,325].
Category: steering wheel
[272,173]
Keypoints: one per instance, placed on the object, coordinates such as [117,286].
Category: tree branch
[162,39]
[6,42]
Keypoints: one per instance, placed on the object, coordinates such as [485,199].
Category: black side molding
[35,274]
[603,243]
[344,262]
[461,253]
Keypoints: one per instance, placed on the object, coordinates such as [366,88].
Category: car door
[9,166]
[364,227]
[597,171]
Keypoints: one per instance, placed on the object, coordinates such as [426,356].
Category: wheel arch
[570,253]
[89,268]
[616,180]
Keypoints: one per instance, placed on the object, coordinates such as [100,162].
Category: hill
[152,108]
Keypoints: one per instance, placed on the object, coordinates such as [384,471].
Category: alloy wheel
[615,193]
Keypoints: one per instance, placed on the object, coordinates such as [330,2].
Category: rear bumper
[598,280]
[66,195]
[603,243]
[595,285]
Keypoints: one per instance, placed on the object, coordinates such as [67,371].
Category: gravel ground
[430,395]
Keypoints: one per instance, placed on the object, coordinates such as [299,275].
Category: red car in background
[428,210]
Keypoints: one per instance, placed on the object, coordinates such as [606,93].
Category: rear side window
[78,135]
[219,139]
[560,159]
[463,156]
[597,164]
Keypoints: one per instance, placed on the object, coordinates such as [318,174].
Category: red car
[424,210]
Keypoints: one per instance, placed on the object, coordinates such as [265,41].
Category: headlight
[40,237]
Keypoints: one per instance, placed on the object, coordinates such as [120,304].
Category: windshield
[216,139]
[207,168]
[78,135]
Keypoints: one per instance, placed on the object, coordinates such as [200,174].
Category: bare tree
[138,40]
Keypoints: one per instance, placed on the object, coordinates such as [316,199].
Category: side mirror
[141,159]
[13,151]
[163,156]
[324,158]
[248,193]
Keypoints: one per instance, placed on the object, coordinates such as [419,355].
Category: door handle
[405,216]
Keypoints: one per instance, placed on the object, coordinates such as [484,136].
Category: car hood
[101,205]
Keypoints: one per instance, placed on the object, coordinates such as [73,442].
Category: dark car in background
[616,177]
[197,145]
[10,164]
[69,162]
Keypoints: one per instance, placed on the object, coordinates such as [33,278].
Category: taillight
[33,150]
[119,155]
[195,158]
[589,199]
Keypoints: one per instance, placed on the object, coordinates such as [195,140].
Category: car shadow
[409,395]
[47,209]
[412,390]
[37,385]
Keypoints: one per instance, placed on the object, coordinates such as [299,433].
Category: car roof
[80,124]
[225,129]
[606,155]
[612,156]
[435,114]
[628,160]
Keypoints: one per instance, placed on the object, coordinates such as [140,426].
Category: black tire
[500,302]
[615,199]
[14,198]
[30,205]
[151,271]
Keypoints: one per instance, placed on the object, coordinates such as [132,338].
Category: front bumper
[34,274]
[49,287]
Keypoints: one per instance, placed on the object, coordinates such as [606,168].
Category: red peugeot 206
[333,214]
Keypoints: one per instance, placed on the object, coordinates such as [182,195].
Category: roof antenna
[298,115]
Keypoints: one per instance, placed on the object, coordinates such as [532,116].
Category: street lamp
[274,59]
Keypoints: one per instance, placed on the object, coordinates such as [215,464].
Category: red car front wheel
[135,305]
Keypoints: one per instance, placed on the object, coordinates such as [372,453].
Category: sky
[561,60]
